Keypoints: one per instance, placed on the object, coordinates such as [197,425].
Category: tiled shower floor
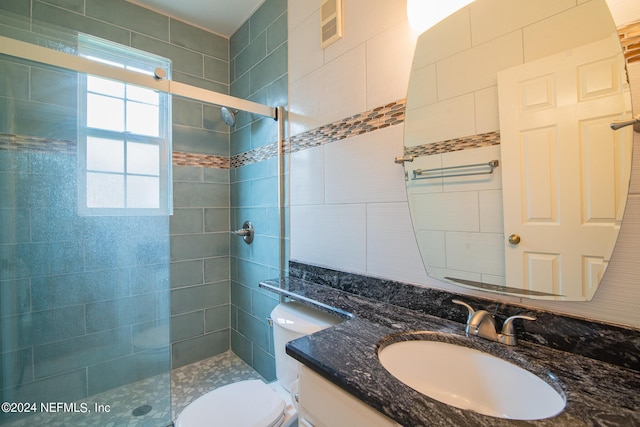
[187,383]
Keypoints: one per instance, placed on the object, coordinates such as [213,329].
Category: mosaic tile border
[254,156]
[630,41]
[180,158]
[457,144]
[379,118]
[11,142]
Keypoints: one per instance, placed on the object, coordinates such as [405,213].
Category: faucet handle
[508,331]
[464,304]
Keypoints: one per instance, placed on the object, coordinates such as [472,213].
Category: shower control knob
[246,232]
[514,239]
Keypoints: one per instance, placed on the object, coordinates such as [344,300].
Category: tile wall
[349,208]
[200,287]
[76,292]
[259,73]
[212,178]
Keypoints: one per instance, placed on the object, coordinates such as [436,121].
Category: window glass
[104,112]
[124,137]
[105,86]
[142,159]
[143,119]
[142,192]
[105,190]
[148,96]
[105,155]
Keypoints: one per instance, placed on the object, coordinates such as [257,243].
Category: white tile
[491,217]
[634,185]
[444,273]
[476,68]
[423,87]
[392,251]
[363,20]
[343,90]
[330,236]
[446,211]
[448,37]
[432,249]
[576,27]
[389,57]
[624,11]
[444,120]
[307,176]
[305,54]
[476,252]
[487,110]
[494,18]
[299,10]
[305,103]
[361,169]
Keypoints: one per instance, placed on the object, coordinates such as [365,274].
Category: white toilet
[253,403]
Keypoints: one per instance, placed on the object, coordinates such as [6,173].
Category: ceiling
[222,17]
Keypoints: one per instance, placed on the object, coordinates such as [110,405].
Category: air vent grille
[330,22]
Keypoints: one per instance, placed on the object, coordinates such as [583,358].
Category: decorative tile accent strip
[457,144]
[378,118]
[31,143]
[630,41]
[200,160]
[254,156]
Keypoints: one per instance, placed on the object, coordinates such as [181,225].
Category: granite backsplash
[608,343]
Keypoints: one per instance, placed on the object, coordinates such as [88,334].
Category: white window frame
[101,51]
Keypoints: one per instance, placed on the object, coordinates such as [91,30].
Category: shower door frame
[32,52]
[24,50]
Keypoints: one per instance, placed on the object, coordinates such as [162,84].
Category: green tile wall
[71,363]
[215,301]
[258,72]
[89,274]
[200,286]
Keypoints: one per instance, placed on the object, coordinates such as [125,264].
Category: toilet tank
[293,320]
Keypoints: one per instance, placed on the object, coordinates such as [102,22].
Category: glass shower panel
[84,298]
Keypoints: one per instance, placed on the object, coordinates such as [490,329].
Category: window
[123,137]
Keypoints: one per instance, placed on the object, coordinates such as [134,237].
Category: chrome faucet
[482,324]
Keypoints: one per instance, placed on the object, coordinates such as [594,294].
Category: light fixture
[424,14]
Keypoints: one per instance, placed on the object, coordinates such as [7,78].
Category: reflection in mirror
[518,184]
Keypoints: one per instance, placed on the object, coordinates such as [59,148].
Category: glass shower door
[84,246]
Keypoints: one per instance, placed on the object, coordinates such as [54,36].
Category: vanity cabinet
[323,404]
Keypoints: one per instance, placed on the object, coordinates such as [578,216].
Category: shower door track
[24,50]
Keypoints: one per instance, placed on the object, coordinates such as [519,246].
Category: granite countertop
[597,393]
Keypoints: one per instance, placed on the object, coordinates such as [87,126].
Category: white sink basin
[470,379]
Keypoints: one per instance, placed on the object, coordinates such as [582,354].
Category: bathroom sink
[471,379]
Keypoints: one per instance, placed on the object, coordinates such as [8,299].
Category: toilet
[253,403]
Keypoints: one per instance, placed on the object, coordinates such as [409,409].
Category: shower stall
[85,204]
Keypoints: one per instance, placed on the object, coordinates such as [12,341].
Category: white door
[564,171]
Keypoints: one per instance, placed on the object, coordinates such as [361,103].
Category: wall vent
[330,22]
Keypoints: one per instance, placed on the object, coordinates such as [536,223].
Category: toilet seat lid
[249,403]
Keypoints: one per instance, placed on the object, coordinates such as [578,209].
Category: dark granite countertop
[597,393]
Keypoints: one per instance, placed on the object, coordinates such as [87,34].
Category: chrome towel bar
[420,173]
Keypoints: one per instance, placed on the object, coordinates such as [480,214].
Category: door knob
[514,239]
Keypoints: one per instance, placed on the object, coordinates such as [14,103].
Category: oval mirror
[518,183]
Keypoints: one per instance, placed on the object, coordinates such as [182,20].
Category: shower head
[228,116]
